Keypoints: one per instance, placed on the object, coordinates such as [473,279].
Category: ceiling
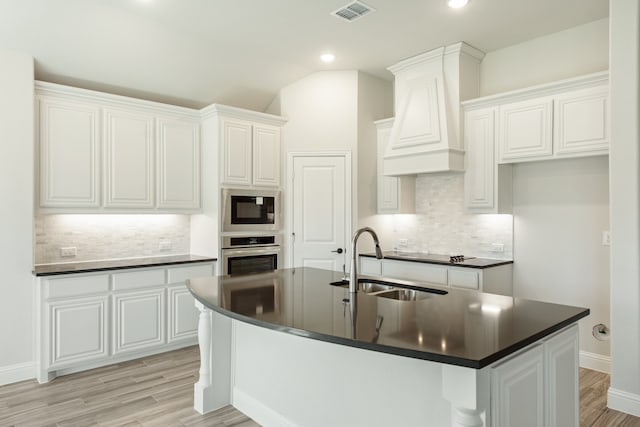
[241,52]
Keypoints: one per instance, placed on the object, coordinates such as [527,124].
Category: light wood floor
[158,391]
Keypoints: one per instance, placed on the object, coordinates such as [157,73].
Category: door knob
[339,250]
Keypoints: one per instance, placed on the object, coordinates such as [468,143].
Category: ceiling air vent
[353,11]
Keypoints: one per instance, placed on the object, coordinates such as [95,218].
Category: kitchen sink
[390,290]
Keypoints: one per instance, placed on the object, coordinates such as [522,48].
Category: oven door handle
[251,251]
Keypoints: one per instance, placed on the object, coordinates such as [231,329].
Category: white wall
[16,211]
[624,393]
[573,52]
[375,102]
[579,50]
[560,209]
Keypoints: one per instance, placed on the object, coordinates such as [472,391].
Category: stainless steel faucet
[353,275]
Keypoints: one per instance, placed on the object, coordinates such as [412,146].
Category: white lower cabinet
[78,330]
[538,387]
[183,315]
[93,319]
[495,280]
[517,390]
[138,320]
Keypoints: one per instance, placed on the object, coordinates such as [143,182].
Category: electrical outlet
[70,251]
[606,238]
[165,245]
[497,247]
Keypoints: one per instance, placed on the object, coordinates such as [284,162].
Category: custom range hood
[427,131]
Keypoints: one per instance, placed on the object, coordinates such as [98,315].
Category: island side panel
[283,379]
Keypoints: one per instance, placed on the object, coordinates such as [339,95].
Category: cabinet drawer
[467,278]
[180,274]
[138,279]
[417,271]
[75,286]
[370,266]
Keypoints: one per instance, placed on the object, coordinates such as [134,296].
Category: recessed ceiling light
[327,57]
[457,4]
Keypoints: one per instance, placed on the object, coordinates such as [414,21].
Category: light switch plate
[606,238]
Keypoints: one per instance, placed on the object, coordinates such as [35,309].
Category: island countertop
[462,327]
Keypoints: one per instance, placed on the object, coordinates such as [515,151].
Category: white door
[321,205]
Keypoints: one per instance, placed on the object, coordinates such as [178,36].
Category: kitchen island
[291,347]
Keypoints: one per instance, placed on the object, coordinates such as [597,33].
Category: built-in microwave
[250,210]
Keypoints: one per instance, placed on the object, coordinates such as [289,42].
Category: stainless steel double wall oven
[251,227]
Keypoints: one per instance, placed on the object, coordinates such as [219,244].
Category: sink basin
[403,294]
[397,291]
[371,287]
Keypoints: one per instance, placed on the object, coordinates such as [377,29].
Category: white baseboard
[18,372]
[624,402]
[596,362]
[258,412]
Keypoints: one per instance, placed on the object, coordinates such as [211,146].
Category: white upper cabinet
[487,185]
[581,122]
[249,145]
[69,139]
[395,194]
[250,153]
[266,155]
[236,152]
[128,159]
[101,152]
[569,118]
[178,160]
[525,129]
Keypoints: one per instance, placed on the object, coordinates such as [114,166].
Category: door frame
[288,196]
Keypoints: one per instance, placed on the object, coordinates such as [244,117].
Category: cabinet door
[526,130]
[581,122]
[517,390]
[183,315]
[69,150]
[77,330]
[138,320]
[388,186]
[479,176]
[236,152]
[178,176]
[128,159]
[562,378]
[266,155]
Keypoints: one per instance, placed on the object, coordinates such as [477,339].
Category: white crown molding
[74,93]
[214,110]
[580,82]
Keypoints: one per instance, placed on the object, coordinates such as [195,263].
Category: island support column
[468,390]
[213,389]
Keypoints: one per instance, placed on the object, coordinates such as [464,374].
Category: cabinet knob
[339,250]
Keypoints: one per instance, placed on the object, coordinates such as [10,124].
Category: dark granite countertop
[441,259]
[117,264]
[461,327]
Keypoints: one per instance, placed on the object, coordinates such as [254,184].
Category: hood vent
[353,11]
[426,135]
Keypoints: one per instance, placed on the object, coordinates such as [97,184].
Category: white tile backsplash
[99,237]
[441,225]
